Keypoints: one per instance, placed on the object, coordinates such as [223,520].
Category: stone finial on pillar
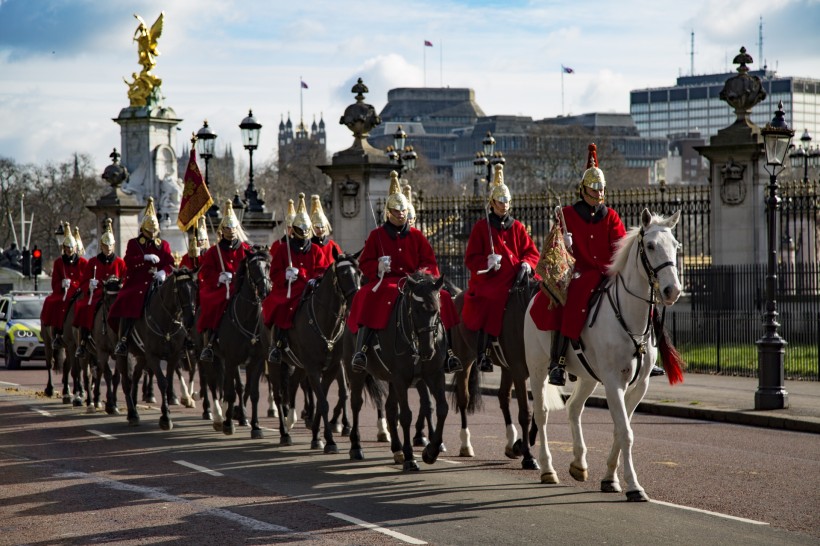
[743,91]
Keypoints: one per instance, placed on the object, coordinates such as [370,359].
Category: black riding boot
[656,371]
[359,361]
[126,324]
[558,362]
[451,363]
[84,333]
[483,361]
[280,343]
[57,340]
[208,338]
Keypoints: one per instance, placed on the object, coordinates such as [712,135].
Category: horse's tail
[375,391]
[475,402]
[672,361]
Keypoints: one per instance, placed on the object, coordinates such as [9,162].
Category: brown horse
[508,354]
[100,349]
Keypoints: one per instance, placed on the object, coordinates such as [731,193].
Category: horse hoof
[356,454]
[611,486]
[428,457]
[331,449]
[530,464]
[244,422]
[420,441]
[286,440]
[66,399]
[133,421]
[337,428]
[579,474]
[550,478]
[149,399]
[383,437]
[227,429]
[345,430]
[466,452]
[207,416]
[111,409]
[271,413]
[165,423]
[257,434]
[76,403]
[217,426]
[49,392]
[510,453]
[442,448]
[90,409]
[411,466]
[517,450]
[173,401]
[398,457]
[637,496]
[317,444]
[189,403]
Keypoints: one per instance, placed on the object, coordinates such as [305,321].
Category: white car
[20,328]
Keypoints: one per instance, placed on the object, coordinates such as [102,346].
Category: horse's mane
[255,252]
[625,243]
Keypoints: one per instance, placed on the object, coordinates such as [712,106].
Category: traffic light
[26,262]
[36,261]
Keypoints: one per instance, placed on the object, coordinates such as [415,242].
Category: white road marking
[199,468]
[9,385]
[372,527]
[253,524]
[101,434]
[42,412]
[718,514]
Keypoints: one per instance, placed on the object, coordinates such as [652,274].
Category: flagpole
[301,108]
[424,46]
[562,90]
[441,62]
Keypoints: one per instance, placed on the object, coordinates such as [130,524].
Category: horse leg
[425,414]
[165,422]
[357,383]
[391,410]
[130,388]
[273,410]
[281,393]
[314,378]
[462,390]
[66,368]
[252,388]
[229,393]
[111,384]
[504,396]
[528,462]
[578,468]
[239,409]
[406,419]
[623,444]
[171,394]
[382,428]
[187,399]
[431,452]
[322,410]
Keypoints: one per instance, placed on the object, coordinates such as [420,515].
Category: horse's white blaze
[417,298]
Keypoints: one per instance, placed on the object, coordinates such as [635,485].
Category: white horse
[619,346]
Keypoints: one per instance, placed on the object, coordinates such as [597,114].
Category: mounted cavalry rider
[322,229]
[218,266]
[289,216]
[392,251]
[498,249]
[198,245]
[65,283]
[102,266]
[296,263]
[147,258]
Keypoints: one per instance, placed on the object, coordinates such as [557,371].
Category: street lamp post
[250,140]
[205,142]
[404,156]
[486,159]
[805,156]
[771,348]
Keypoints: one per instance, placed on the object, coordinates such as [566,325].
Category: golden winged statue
[147,41]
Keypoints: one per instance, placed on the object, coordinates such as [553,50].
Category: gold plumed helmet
[108,235]
[202,231]
[411,209]
[395,198]
[317,214]
[199,233]
[229,219]
[150,222]
[291,214]
[80,245]
[498,190]
[69,239]
[301,222]
[593,177]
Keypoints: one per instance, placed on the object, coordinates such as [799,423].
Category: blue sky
[62,61]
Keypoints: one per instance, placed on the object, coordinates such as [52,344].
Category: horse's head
[658,251]
[111,287]
[347,276]
[255,268]
[422,295]
[185,294]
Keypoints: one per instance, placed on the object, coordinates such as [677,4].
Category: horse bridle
[338,326]
[407,311]
[253,336]
[154,327]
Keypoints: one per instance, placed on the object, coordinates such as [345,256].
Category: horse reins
[338,325]
[253,336]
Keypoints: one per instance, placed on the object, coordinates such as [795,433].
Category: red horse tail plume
[672,362]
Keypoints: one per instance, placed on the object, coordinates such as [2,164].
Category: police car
[20,327]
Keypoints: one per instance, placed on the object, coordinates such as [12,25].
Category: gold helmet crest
[150,222]
[498,190]
[317,214]
[107,238]
[291,214]
[301,222]
[68,239]
[411,209]
[395,198]
[229,219]
[593,177]
[80,245]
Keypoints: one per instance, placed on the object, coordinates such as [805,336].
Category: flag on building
[567,70]
[304,85]
[196,199]
[428,43]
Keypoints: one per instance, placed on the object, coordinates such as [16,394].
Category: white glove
[93,283]
[291,273]
[526,267]
[153,258]
[568,240]
[225,278]
[384,265]
[160,275]
[494,261]
[66,283]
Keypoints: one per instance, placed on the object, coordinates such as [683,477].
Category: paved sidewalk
[715,398]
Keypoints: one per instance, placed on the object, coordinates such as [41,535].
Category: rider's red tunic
[99,267]
[409,251]
[486,295]
[139,276]
[593,245]
[278,309]
[212,295]
[327,245]
[56,304]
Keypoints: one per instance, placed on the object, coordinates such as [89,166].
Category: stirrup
[207,354]
[657,371]
[452,364]
[557,376]
[359,362]
[122,348]
[275,355]
[484,363]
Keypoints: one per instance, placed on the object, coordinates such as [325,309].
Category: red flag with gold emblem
[196,199]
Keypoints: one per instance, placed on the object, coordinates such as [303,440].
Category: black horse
[159,335]
[100,349]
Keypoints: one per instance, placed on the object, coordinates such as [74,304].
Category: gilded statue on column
[145,86]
